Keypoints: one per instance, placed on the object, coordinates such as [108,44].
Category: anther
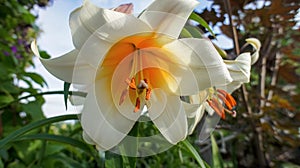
[137,105]
[219,109]
[148,94]
[131,83]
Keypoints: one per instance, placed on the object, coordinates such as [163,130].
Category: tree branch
[257,136]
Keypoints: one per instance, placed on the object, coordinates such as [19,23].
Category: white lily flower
[212,100]
[128,62]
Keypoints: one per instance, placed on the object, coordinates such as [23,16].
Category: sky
[56,40]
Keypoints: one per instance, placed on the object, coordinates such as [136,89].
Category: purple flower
[6,53]
[14,49]
[20,41]
[19,56]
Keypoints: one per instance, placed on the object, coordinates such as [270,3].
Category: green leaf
[66,93]
[34,109]
[9,88]
[217,159]
[189,147]
[36,78]
[63,159]
[131,161]
[185,33]
[194,31]
[11,137]
[44,55]
[202,22]
[113,160]
[57,138]
[1,163]
[6,99]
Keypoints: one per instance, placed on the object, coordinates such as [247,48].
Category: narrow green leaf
[67,161]
[221,52]
[38,79]
[57,138]
[34,109]
[11,137]
[202,22]
[6,99]
[217,160]
[66,93]
[134,145]
[113,160]
[194,31]
[189,147]
[185,33]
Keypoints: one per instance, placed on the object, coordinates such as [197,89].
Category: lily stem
[41,94]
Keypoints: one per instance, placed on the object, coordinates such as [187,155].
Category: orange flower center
[142,64]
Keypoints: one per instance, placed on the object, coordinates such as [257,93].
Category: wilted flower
[126,63]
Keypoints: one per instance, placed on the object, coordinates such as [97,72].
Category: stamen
[229,100]
[219,109]
[226,98]
[137,105]
[148,90]
[131,83]
[232,113]
[227,103]
[148,94]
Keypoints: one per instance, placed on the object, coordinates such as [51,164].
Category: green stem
[135,133]
[11,137]
[190,148]
[41,94]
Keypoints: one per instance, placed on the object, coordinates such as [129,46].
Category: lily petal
[170,120]
[168,16]
[89,18]
[62,67]
[256,44]
[194,114]
[240,68]
[206,64]
[101,120]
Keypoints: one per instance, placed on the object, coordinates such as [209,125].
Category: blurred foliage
[17,30]
[266,132]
